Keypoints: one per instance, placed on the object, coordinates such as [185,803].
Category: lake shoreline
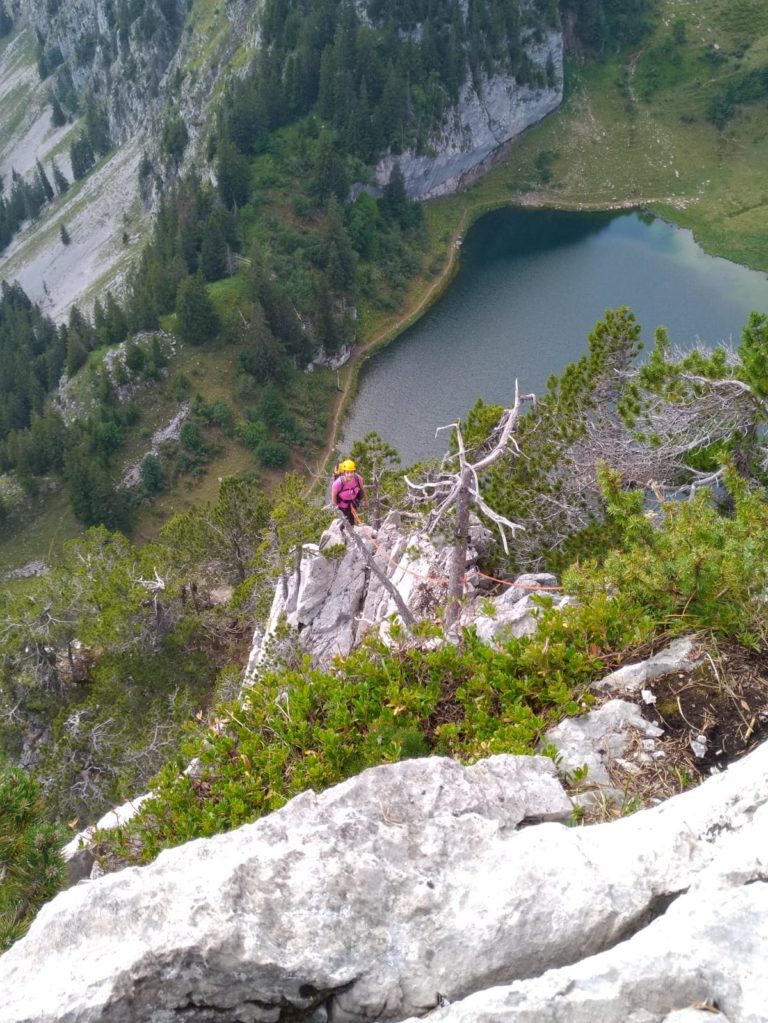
[639,232]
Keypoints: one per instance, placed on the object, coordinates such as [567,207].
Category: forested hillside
[274,261]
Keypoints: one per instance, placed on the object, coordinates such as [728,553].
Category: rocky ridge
[426,889]
[335,598]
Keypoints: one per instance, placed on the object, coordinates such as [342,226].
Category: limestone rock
[308,905]
[709,948]
[598,738]
[683,654]
[413,884]
[482,120]
[336,598]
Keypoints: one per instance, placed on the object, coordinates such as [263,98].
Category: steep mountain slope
[154,73]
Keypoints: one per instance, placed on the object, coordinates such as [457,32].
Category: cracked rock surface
[413,884]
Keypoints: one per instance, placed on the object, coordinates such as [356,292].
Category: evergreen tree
[115,321]
[78,340]
[94,499]
[394,200]
[81,156]
[99,319]
[152,478]
[213,250]
[326,330]
[65,239]
[197,320]
[33,868]
[6,22]
[363,223]
[175,138]
[58,117]
[330,176]
[97,127]
[232,175]
[59,179]
[44,182]
[339,257]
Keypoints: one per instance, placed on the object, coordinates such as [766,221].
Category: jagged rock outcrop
[335,598]
[413,884]
[483,119]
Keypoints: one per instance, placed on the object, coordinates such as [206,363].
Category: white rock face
[336,599]
[481,122]
[333,893]
[709,949]
[412,884]
[682,655]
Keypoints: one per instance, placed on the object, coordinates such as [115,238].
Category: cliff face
[118,53]
[140,64]
[484,118]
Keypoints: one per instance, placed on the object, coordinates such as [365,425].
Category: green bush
[700,569]
[274,455]
[32,867]
[305,728]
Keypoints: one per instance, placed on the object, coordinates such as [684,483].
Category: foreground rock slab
[381,898]
[298,909]
[705,959]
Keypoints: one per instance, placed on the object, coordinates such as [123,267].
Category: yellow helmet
[347,466]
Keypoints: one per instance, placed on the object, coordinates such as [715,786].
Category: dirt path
[359,352]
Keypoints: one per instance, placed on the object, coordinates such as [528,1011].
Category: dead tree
[408,620]
[459,489]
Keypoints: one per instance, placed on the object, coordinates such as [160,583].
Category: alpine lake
[530,287]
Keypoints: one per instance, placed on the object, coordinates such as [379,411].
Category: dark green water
[530,287]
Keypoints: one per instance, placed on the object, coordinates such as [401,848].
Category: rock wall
[482,121]
[335,598]
[415,885]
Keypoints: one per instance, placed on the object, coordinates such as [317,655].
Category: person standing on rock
[348,490]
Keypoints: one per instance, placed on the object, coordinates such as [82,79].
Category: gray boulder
[413,884]
[336,598]
[599,739]
[703,960]
[340,899]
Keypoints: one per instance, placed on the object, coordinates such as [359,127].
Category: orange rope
[442,579]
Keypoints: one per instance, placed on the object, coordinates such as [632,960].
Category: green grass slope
[679,125]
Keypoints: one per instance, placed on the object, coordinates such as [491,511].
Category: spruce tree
[196,317]
[44,182]
[213,250]
[232,175]
[81,157]
[97,127]
[58,117]
[59,179]
[6,22]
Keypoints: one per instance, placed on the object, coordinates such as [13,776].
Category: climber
[348,490]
